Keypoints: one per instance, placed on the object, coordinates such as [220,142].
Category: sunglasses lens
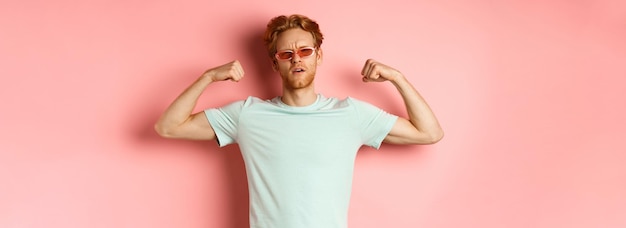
[304,52]
[284,55]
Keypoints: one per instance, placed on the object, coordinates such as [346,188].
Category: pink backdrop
[530,94]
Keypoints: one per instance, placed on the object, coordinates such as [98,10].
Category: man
[299,148]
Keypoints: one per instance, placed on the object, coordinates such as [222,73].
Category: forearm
[420,114]
[182,107]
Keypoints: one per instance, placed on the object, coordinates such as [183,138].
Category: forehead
[294,38]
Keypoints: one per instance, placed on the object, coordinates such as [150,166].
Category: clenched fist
[229,71]
[374,71]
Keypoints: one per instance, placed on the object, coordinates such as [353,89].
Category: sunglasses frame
[297,52]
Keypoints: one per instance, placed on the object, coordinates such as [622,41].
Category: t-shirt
[300,160]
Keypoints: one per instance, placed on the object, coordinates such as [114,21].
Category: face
[297,72]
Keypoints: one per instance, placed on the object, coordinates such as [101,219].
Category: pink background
[530,95]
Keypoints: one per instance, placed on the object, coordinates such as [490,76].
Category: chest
[313,137]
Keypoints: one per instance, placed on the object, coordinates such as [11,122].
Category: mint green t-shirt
[300,160]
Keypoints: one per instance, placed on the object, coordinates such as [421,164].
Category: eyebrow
[289,49]
[297,47]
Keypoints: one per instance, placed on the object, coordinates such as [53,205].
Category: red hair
[283,23]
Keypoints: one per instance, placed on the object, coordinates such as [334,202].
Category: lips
[298,70]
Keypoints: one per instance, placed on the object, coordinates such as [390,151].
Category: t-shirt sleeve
[373,122]
[225,121]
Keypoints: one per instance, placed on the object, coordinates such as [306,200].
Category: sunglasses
[288,54]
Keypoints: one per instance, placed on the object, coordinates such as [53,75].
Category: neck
[299,97]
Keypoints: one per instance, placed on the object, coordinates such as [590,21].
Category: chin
[300,84]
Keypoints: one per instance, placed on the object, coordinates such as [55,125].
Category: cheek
[313,64]
[283,67]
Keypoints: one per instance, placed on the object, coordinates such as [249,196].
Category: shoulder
[252,100]
[241,104]
[358,103]
[254,103]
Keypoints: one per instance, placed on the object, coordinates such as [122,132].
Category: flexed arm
[178,122]
[422,127]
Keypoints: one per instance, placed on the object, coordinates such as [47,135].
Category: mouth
[298,70]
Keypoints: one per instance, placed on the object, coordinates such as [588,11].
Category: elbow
[436,137]
[432,138]
[163,131]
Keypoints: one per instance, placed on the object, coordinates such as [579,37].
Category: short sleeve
[225,121]
[373,122]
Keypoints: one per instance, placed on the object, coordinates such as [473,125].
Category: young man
[299,148]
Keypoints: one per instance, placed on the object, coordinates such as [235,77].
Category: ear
[319,56]
[274,65]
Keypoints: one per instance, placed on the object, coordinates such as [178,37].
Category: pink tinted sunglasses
[288,54]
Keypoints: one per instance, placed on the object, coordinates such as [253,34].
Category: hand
[230,71]
[374,71]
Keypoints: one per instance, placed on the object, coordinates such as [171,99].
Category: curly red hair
[283,23]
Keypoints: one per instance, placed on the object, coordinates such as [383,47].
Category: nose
[296,58]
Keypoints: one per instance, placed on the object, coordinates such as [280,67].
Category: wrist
[208,76]
[398,79]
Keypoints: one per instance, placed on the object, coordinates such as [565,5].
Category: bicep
[403,132]
[197,127]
